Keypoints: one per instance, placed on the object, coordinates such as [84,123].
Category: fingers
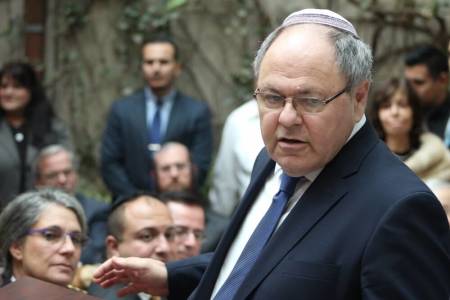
[129,289]
[109,272]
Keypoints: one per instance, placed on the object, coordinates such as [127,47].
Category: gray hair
[23,212]
[353,56]
[52,150]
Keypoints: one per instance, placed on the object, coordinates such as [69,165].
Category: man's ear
[16,250]
[112,246]
[360,95]
[443,78]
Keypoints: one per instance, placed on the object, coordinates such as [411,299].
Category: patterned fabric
[320,16]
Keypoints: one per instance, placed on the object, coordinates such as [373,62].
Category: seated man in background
[188,216]
[176,172]
[138,225]
[55,167]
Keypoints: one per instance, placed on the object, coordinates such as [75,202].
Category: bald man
[141,226]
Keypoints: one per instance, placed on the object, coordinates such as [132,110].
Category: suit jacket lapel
[321,197]
[8,142]
[175,123]
[138,114]
[263,168]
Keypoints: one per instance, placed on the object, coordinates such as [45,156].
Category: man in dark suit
[349,221]
[56,167]
[138,124]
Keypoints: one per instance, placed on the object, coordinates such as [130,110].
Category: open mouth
[290,141]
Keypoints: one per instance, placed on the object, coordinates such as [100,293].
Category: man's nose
[289,115]
[62,178]
[190,239]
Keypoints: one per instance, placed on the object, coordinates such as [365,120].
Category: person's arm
[407,256]
[138,274]
[224,193]
[112,155]
[176,279]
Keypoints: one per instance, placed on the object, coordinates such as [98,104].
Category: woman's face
[45,256]
[396,115]
[13,97]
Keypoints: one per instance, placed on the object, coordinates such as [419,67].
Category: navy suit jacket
[96,212]
[366,228]
[126,162]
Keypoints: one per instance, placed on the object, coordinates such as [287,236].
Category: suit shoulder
[191,101]
[129,99]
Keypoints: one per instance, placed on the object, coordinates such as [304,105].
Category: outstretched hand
[137,274]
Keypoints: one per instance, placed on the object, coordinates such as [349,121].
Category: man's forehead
[419,71]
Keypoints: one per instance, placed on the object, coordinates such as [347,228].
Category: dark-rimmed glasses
[56,235]
[302,104]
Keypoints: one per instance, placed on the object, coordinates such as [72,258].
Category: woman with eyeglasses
[27,124]
[41,236]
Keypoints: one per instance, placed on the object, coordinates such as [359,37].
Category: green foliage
[140,18]
[75,14]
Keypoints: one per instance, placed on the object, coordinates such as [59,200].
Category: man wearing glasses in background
[175,172]
[188,216]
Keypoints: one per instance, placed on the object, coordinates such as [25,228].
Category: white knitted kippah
[320,16]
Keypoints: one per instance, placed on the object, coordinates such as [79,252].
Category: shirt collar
[151,97]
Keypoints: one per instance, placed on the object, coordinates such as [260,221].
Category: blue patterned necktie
[155,129]
[258,240]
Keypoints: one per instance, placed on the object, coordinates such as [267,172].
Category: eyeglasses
[302,104]
[56,235]
[182,232]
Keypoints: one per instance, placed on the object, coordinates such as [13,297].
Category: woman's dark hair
[384,95]
[38,112]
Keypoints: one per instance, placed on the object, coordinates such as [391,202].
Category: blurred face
[159,67]
[173,169]
[147,231]
[429,90]
[189,221]
[44,257]
[57,171]
[13,97]
[301,63]
[396,116]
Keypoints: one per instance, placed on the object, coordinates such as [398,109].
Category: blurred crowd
[156,155]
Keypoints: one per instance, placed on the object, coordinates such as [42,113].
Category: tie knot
[288,183]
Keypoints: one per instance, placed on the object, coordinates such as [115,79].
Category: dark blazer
[126,162]
[10,160]
[366,228]
[97,217]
